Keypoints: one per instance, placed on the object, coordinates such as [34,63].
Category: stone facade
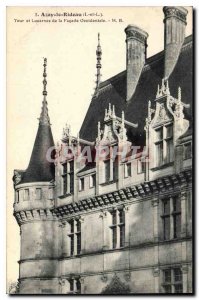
[118,224]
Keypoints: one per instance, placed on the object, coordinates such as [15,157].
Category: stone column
[111,164]
[155,204]
[156,274]
[185,278]
[127,228]
[105,230]
[183,214]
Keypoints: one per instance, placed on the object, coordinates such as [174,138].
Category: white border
[3,5]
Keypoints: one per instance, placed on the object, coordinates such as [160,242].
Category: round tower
[34,199]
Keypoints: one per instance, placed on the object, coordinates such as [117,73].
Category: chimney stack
[174,34]
[136,44]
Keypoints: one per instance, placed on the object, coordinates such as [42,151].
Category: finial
[99,130]
[158,92]
[44,118]
[167,87]
[113,111]
[179,93]
[98,65]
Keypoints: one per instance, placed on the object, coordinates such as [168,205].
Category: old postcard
[99,146]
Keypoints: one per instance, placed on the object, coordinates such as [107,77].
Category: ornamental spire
[44,118]
[98,65]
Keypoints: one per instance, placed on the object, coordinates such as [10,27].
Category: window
[106,170]
[172,281]
[75,237]
[26,194]
[17,196]
[187,151]
[75,286]
[118,228]
[81,184]
[68,177]
[141,166]
[127,170]
[171,217]
[164,145]
[38,194]
[115,169]
[92,181]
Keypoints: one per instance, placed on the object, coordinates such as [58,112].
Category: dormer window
[92,181]
[81,184]
[164,144]
[141,166]
[127,170]
[107,170]
[68,177]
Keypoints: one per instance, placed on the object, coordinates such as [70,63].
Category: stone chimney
[135,57]
[174,34]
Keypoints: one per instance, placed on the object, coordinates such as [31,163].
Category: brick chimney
[174,34]
[136,44]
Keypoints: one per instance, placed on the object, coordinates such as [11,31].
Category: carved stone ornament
[116,287]
[16,177]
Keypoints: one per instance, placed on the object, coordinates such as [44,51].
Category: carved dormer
[164,125]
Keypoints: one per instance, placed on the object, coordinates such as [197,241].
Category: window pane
[92,180]
[121,216]
[167,276]
[26,194]
[178,288]
[72,226]
[78,243]
[71,285]
[115,169]
[81,184]
[71,183]
[72,245]
[122,236]
[38,194]
[170,150]
[177,225]
[78,286]
[159,153]
[71,166]
[167,289]
[114,217]
[176,204]
[50,193]
[78,226]
[166,206]
[128,170]
[114,237]
[107,170]
[169,131]
[159,134]
[177,274]
[65,168]
[166,227]
[187,151]
[141,166]
[65,184]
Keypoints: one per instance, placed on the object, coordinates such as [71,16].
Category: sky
[70,49]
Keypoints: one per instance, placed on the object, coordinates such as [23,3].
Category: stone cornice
[122,196]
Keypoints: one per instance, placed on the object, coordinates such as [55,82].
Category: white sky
[70,50]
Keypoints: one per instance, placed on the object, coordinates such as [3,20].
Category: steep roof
[113,90]
[40,169]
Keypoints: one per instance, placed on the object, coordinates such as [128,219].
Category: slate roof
[39,168]
[113,90]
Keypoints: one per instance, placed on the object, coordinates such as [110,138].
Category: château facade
[110,211]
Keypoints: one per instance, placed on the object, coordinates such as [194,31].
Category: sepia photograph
[100,121]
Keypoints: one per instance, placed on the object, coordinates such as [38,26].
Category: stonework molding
[127,276]
[104,278]
[138,191]
[116,286]
[184,269]
[155,202]
[172,11]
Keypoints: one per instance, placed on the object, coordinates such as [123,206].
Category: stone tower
[34,193]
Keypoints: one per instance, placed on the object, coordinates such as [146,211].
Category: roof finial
[98,65]
[44,118]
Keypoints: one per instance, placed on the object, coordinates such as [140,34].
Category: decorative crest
[44,118]
[98,65]
[164,90]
